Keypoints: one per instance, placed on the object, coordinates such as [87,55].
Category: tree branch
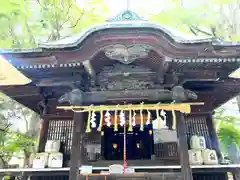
[192,30]
[201,31]
[38,1]
[77,21]
[68,18]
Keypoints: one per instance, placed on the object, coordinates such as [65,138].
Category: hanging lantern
[122,118]
[93,120]
[115,146]
[107,118]
[148,117]
[150,132]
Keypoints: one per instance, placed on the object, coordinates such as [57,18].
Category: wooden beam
[183,147]
[132,95]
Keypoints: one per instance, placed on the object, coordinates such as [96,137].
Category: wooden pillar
[102,147]
[43,134]
[77,151]
[43,111]
[183,147]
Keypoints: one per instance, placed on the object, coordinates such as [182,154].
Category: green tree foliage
[227,131]
[14,13]
[23,22]
[58,16]
[208,17]
[15,140]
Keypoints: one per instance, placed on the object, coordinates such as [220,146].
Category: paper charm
[164,120]
[148,117]
[163,114]
[93,120]
[141,116]
[122,118]
[134,119]
[107,118]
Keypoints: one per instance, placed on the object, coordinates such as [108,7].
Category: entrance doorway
[139,143]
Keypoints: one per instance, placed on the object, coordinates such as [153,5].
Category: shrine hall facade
[127,61]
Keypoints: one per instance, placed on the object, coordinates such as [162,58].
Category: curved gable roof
[124,20]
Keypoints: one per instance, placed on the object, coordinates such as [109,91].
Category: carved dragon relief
[126,77]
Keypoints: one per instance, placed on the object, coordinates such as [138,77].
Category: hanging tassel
[88,129]
[115,121]
[130,121]
[134,119]
[173,120]
[101,122]
[158,119]
[148,117]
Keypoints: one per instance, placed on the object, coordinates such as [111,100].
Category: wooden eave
[184,56]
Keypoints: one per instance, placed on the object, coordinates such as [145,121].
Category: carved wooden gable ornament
[127,54]
[125,77]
